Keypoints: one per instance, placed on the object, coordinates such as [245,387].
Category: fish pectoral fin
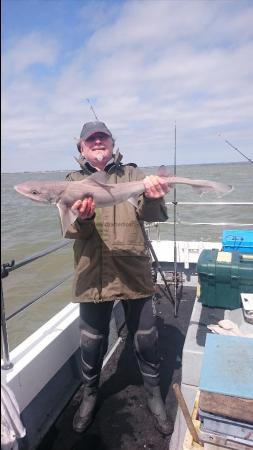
[133,201]
[67,217]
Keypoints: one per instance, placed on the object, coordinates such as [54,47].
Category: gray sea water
[28,227]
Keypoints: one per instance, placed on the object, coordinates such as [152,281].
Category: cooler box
[237,240]
[223,276]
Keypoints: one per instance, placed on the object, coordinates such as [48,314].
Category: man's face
[97,149]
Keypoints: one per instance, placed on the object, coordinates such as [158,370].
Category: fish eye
[34,192]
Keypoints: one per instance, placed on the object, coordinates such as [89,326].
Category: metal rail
[6,268]
[39,296]
[212,203]
[184,222]
[9,267]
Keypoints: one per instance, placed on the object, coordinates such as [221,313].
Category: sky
[162,74]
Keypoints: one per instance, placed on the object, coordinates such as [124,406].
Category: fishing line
[237,149]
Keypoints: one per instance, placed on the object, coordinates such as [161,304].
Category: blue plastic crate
[237,241]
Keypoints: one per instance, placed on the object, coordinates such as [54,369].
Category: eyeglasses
[95,136]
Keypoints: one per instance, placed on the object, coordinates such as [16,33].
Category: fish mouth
[17,188]
[21,191]
[29,195]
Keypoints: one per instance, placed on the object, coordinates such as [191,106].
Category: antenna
[235,148]
[92,109]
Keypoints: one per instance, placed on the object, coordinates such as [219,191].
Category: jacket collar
[114,165]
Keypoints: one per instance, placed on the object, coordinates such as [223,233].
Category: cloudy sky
[145,65]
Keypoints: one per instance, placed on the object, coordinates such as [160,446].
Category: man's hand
[84,208]
[155,187]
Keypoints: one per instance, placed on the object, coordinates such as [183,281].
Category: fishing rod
[148,242]
[92,109]
[174,223]
[237,149]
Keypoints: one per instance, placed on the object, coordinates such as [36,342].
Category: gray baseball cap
[90,128]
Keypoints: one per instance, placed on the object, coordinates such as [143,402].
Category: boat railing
[157,225]
[6,268]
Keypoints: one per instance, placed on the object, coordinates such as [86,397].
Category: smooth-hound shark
[65,193]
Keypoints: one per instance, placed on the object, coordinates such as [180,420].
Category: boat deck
[122,421]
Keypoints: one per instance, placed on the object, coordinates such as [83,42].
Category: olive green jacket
[110,256]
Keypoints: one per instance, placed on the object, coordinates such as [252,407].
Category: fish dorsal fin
[163,171]
[96,178]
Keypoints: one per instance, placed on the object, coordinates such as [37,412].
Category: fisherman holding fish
[103,207]
[112,263]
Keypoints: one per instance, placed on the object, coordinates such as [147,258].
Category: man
[112,263]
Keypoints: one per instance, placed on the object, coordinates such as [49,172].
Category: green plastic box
[223,276]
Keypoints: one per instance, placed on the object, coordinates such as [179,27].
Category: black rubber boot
[157,408]
[86,411]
